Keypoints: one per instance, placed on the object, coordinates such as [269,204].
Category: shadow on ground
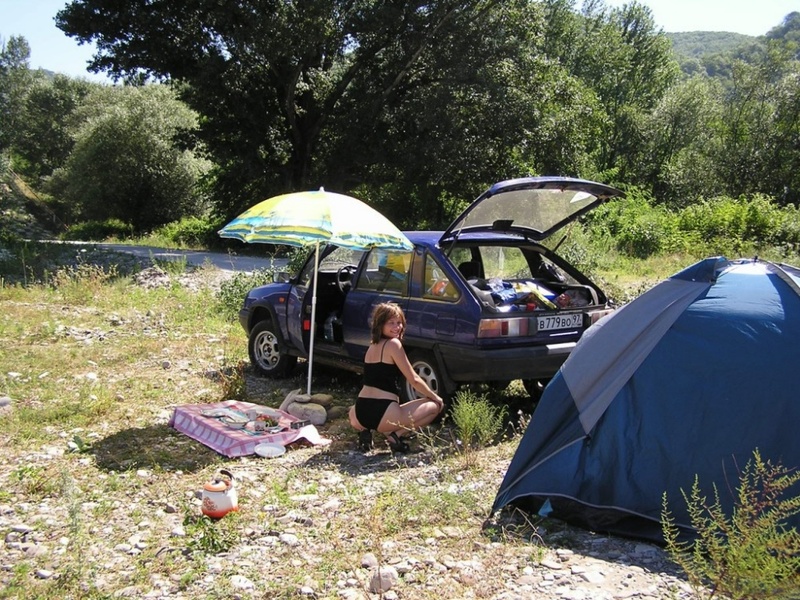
[154,447]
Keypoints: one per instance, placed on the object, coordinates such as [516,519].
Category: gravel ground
[500,557]
[318,542]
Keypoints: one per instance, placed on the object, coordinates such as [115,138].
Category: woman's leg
[354,420]
[402,418]
[364,434]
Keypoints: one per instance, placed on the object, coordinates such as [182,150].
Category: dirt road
[221,260]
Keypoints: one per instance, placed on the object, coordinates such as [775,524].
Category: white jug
[219,495]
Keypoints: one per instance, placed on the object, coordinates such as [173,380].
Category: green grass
[94,366]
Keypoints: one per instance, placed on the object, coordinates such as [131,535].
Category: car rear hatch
[533,207]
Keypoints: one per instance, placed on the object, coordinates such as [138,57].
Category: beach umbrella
[314,217]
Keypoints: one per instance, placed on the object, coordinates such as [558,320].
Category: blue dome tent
[685,381]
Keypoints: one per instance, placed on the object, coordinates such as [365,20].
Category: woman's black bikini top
[383,376]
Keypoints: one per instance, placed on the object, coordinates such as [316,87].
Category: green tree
[484,106]
[127,162]
[43,139]
[677,160]
[415,99]
[761,123]
[15,77]
[269,77]
[628,63]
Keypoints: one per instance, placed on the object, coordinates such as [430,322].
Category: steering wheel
[344,277]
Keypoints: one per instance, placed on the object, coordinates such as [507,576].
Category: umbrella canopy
[309,218]
[305,218]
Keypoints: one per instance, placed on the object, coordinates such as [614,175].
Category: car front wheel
[428,369]
[264,347]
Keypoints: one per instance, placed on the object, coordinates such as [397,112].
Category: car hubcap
[428,375]
[267,350]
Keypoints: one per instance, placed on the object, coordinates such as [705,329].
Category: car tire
[535,387]
[427,368]
[264,347]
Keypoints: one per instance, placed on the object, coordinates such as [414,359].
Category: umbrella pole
[313,317]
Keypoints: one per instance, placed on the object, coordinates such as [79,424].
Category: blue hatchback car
[484,300]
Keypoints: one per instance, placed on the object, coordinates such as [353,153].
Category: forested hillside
[413,107]
[697,44]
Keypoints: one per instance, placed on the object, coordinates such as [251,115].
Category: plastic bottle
[329,327]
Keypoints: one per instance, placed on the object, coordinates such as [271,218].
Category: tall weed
[80,284]
[232,292]
[751,553]
[477,421]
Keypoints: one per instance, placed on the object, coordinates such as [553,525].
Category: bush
[750,554]
[98,231]
[732,227]
[755,219]
[194,232]
[477,421]
[232,292]
[638,228]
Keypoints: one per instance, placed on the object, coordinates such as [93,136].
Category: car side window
[385,271]
[437,285]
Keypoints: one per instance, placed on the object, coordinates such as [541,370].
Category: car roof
[424,238]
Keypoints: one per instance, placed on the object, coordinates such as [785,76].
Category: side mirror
[281,277]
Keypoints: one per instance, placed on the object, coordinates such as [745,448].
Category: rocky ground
[483,558]
[138,547]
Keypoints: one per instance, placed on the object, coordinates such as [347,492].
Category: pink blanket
[197,421]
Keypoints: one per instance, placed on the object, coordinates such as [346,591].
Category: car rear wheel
[427,368]
[535,387]
[264,347]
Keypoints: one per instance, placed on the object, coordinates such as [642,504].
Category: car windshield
[332,262]
[535,209]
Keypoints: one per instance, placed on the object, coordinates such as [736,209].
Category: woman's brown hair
[382,313]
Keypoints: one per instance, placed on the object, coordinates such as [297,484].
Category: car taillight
[500,328]
[306,324]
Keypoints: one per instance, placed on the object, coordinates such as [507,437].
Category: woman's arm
[398,354]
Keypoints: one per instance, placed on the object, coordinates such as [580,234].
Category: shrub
[194,232]
[97,231]
[638,228]
[232,292]
[297,257]
[754,219]
[751,553]
[477,421]
[207,536]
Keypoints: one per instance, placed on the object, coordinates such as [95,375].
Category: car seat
[470,269]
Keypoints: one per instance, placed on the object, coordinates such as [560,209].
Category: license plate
[565,321]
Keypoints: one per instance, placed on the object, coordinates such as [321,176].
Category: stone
[551,564]
[241,582]
[289,539]
[292,397]
[382,579]
[369,561]
[337,412]
[325,400]
[312,412]
[593,577]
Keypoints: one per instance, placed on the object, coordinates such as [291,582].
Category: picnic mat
[203,422]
